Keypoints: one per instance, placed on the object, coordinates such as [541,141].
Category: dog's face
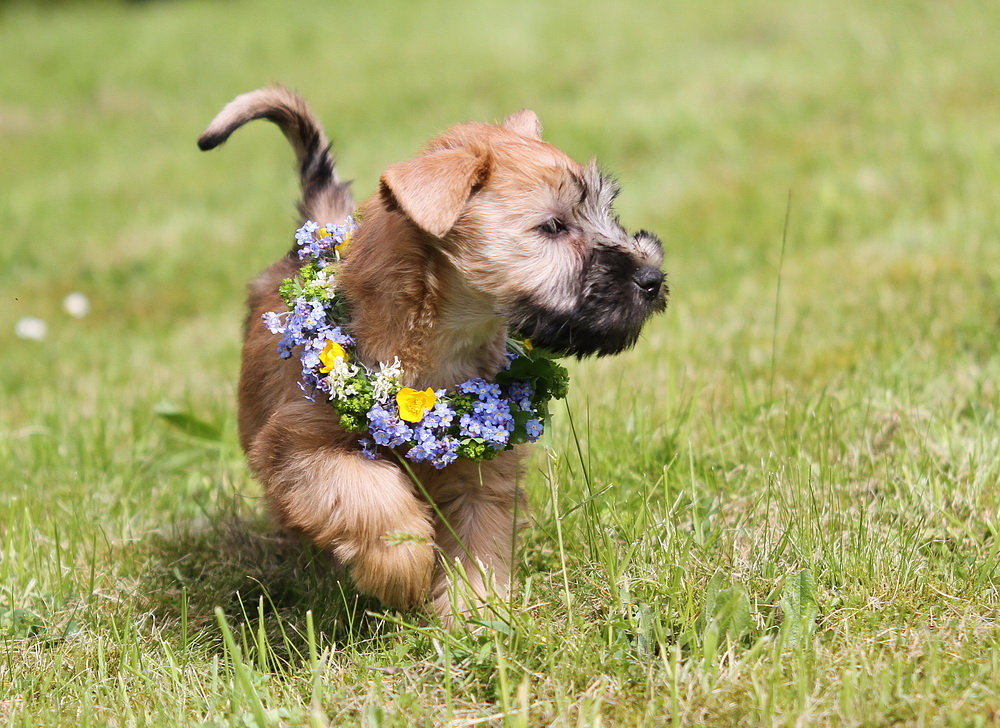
[534,234]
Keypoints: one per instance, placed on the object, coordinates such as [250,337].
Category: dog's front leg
[364,512]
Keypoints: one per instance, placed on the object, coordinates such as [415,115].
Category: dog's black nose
[649,280]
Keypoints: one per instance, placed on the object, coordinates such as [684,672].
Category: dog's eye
[555,226]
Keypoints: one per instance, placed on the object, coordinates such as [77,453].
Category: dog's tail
[324,197]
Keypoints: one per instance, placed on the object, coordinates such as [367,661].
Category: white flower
[272,322]
[77,305]
[339,380]
[31,328]
[388,380]
[326,280]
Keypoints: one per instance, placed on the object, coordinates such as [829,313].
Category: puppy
[488,231]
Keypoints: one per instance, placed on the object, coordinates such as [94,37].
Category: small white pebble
[77,305]
[31,328]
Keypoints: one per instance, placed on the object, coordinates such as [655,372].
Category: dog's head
[534,234]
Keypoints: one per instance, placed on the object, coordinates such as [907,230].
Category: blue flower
[521,392]
[445,452]
[469,426]
[386,428]
[489,407]
[368,450]
[503,419]
[534,429]
[441,416]
[495,437]
[418,453]
[471,386]
[338,335]
[310,360]
[317,242]
[308,245]
[305,233]
[422,433]
[313,315]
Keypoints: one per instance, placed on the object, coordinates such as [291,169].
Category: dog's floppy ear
[433,188]
[526,123]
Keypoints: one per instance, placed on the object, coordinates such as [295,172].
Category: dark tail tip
[211,141]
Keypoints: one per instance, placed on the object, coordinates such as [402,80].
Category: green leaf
[735,612]
[188,423]
[549,377]
[711,597]
[501,627]
[289,290]
[19,624]
[799,607]
[725,614]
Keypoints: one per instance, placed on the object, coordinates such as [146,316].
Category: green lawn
[780,509]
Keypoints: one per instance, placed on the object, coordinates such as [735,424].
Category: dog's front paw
[395,569]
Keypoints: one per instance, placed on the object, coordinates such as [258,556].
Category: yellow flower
[342,248]
[322,233]
[528,346]
[330,354]
[413,404]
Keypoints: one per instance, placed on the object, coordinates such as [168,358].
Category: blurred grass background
[845,429]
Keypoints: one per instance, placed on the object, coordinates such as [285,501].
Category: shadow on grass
[260,576]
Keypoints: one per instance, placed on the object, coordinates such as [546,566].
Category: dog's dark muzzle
[606,322]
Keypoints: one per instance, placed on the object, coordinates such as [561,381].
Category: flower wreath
[476,419]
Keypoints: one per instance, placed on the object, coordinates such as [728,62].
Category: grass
[776,510]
